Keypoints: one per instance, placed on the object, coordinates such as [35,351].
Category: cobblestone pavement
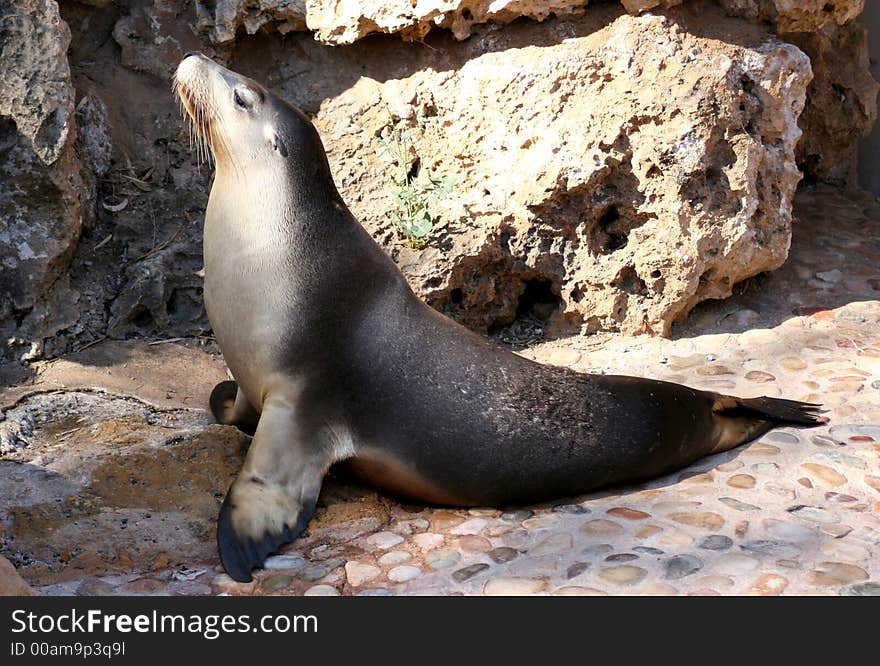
[796,512]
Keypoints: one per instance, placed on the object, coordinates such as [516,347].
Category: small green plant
[413,195]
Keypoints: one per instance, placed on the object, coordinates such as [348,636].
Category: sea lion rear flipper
[274,496]
[230,407]
[740,420]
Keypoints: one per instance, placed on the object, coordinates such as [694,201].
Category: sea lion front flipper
[230,407]
[274,496]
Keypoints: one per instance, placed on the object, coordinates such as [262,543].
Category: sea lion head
[245,127]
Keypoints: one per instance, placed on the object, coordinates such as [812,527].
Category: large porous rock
[11,583]
[796,15]
[44,196]
[97,484]
[842,104]
[613,170]
[154,35]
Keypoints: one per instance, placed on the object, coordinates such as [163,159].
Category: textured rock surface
[796,15]
[11,582]
[337,22]
[843,101]
[761,519]
[654,166]
[135,271]
[44,198]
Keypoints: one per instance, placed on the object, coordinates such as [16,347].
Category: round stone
[761,449]
[286,562]
[713,371]
[773,548]
[502,554]
[601,527]
[556,543]
[869,589]
[675,539]
[836,573]
[780,490]
[704,519]
[729,466]
[571,508]
[513,587]
[154,586]
[474,544]
[394,558]
[359,573]
[321,591]
[376,592]
[576,591]
[823,475]
[542,520]
[734,563]
[472,526]
[647,550]
[468,572]
[737,505]
[787,531]
[444,520]
[384,540]
[404,573]
[681,566]
[647,531]
[782,437]
[767,469]
[744,481]
[768,585]
[428,540]
[276,582]
[715,582]
[517,516]
[622,557]
[625,574]
[627,513]
[814,514]
[836,530]
[576,569]
[94,588]
[760,377]
[792,363]
[852,552]
[442,558]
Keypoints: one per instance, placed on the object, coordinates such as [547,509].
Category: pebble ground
[794,513]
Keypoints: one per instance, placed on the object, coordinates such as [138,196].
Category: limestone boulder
[11,583]
[796,15]
[611,171]
[45,196]
[842,104]
[100,484]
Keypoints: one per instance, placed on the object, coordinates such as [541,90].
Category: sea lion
[335,358]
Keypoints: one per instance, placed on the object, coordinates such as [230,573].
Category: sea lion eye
[239,100]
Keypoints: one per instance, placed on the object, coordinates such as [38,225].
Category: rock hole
[629,281]
[576,295]
[142,317]
[828,7]
[538,300]
[456,296]
[615,238]
[655,273]
[467,15]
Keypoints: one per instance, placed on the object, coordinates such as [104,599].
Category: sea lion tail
[740,420]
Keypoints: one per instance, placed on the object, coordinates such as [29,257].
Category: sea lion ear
[279,146]
[273,138]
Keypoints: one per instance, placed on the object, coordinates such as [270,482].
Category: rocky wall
[663,174]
